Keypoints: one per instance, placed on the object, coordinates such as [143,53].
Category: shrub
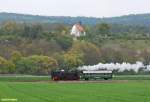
[6,67]
[35,64]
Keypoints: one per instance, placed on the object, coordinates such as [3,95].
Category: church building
[78,30]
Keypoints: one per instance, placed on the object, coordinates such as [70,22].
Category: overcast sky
[94,8]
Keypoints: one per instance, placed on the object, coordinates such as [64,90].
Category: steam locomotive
[57,75]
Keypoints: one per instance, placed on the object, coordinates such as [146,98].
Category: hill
[36,48]
[138,19]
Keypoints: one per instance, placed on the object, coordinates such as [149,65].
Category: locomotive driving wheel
[55,78]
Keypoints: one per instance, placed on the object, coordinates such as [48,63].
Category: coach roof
[96,72]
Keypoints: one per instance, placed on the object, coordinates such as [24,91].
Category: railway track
[91,81]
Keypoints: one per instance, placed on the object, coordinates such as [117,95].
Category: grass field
[24,78]
[113,91]
[132,91]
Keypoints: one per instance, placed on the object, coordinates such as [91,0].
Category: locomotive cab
[64,75]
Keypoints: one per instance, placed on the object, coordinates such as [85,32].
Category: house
[78,30]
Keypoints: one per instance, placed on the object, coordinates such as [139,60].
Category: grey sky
[96,8]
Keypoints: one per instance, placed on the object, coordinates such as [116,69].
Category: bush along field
[129,91]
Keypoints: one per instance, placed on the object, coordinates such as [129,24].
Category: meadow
[46,91]
[24,78]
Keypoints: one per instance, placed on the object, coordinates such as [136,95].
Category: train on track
[57,75]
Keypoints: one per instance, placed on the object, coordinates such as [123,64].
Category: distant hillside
[139,19]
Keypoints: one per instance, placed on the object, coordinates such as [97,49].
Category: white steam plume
[116,66]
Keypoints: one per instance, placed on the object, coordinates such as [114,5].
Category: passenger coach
[103,74]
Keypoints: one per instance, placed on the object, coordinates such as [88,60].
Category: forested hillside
[138,19]
[36,45]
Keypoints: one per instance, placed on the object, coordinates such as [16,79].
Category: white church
[78,30]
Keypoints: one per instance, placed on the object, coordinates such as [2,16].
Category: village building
[78,30]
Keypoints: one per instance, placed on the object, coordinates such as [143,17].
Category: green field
[130,91]
[24,78]
[46,91]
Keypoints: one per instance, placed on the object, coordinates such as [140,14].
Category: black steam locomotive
[57,75]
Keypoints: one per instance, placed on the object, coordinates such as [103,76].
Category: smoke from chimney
[117,66]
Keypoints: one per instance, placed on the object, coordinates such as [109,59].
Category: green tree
[60,60]
[146,56]
[103,29]
[36,65]
[11,28]
[6,67]
[118,55]
[15,56]
[73,59]
[65,41]
[32,31]
[91,53]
